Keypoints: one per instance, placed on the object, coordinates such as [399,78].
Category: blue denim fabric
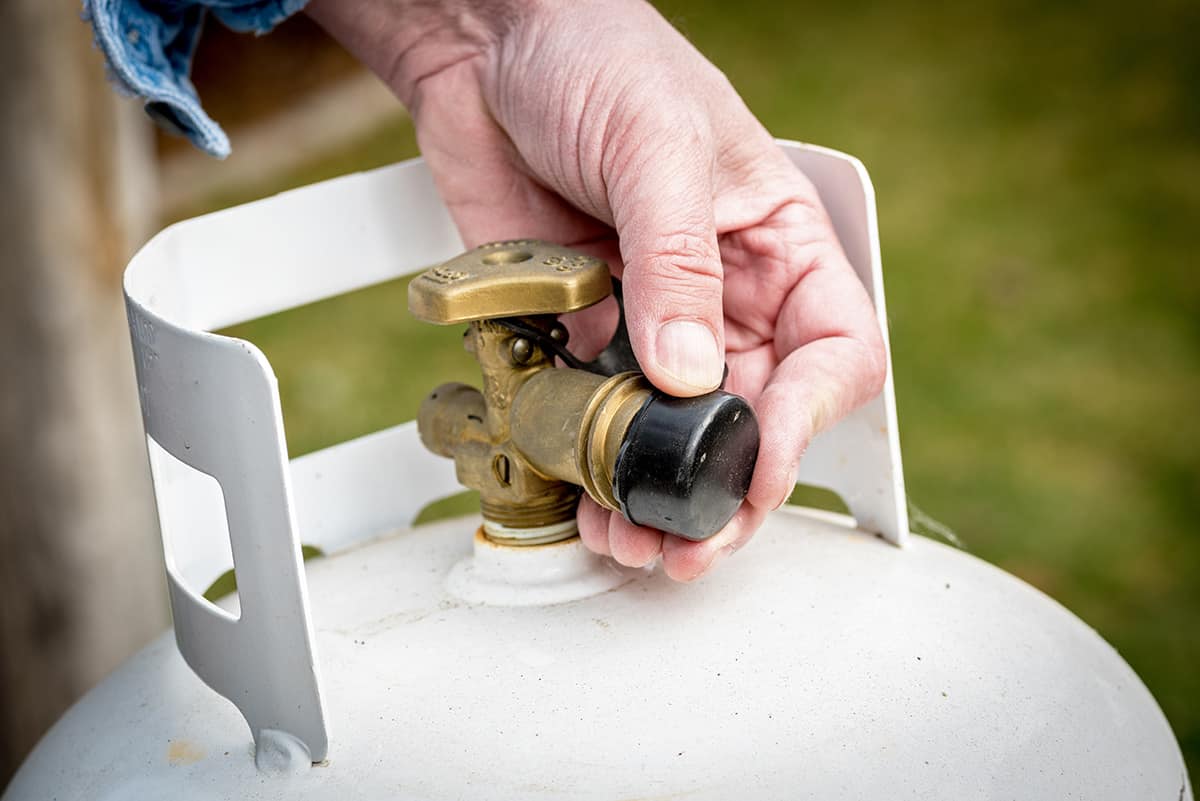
[149,46]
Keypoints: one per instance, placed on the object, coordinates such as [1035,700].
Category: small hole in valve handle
[507,257]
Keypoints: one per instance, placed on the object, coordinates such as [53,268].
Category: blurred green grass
[1038,176]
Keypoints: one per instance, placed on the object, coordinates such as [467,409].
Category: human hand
[596,125]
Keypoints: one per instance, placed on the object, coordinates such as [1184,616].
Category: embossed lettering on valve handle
[536,434]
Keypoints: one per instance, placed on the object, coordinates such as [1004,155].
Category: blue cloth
[149,46]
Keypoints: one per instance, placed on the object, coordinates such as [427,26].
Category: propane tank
[492,656]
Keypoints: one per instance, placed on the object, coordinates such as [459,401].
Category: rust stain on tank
[183,752]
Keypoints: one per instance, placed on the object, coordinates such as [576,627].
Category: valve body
[535,434]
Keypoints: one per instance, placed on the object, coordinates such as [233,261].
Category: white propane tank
[835,657]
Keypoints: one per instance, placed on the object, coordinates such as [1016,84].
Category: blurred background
[1037,166]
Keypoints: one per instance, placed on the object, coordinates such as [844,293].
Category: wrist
[403,41]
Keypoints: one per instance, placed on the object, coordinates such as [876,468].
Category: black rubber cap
[686,463]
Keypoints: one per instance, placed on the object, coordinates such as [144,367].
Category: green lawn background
[1038,175]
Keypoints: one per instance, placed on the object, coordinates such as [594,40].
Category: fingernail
[689,352]
[794,476]
[783,498]
[719,557]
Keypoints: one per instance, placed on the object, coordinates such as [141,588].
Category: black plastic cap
[686,463]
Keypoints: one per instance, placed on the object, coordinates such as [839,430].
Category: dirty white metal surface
[226,492]
[817,663]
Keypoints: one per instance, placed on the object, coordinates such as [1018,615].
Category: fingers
[684,560]
[828,357]
[832,361]
[661,194]
[593,526]
[634,546]
[609,534]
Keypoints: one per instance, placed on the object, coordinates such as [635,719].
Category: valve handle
[515,278]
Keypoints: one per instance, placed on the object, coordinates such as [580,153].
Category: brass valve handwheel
[519,278]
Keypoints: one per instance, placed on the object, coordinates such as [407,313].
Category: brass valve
[537,434]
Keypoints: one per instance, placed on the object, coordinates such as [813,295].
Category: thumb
[662,208]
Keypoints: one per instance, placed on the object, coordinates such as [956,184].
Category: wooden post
[80,571]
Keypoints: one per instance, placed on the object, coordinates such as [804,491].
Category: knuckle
[876,369]
[684,256]
[808,222]
[684,569]
[870,370]
[634,547]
